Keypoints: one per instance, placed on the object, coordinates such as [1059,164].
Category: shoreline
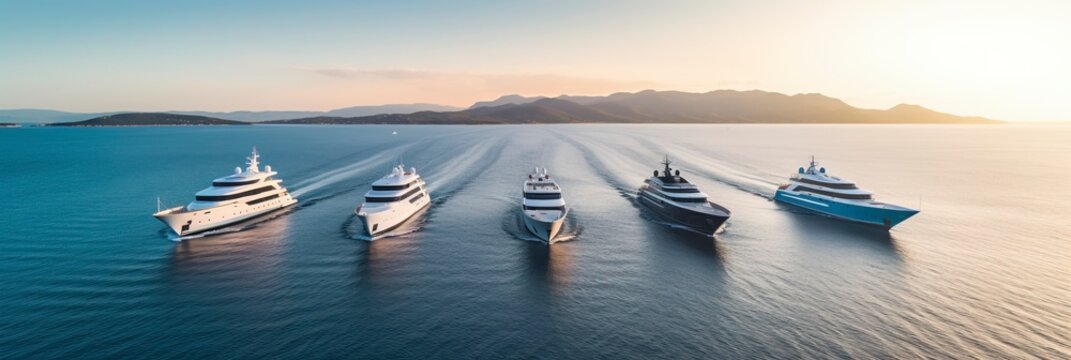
[537,124]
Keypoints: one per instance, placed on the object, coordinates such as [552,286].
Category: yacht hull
[703,222]
[185,223]
[545,230]
[886,217]
[384,220]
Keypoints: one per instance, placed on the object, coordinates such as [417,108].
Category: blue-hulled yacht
[813,189]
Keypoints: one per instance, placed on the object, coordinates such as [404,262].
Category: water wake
[334,176]
[704,165]
[601,167]
[443,179]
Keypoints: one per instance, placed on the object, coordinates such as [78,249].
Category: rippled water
[983,271]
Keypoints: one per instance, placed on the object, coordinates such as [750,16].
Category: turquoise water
[983,271]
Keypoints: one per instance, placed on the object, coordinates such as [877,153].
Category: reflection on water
[379,261]
[232,276]
[841,234]
[685,245]
[257,246]
[549,265]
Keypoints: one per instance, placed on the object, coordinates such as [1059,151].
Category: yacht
[244,195]
[543,207]
[674,198]
[813,189]
[393,199]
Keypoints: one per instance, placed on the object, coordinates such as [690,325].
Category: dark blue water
[983,271]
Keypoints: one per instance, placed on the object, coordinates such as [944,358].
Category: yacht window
[415,198]
[673,180]
[390,187]
[833,194]
[690,200]
[682,191]
[233,183]
[542,196]
[235,196]
[263,199]
[379,199]
[828,185]
[559,208]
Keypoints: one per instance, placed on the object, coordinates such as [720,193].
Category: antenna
[254,166]
[666,162]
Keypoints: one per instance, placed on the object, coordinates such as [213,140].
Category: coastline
[1002,123]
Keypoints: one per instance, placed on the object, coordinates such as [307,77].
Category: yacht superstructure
[231,199]
[392,200]
[813,189]
[676,199]
[543,206]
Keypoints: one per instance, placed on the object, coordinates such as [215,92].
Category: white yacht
[246,194]
[393,199]
[543,207]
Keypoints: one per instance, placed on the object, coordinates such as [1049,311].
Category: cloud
[462,88]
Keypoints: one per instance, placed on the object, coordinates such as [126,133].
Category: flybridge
[539,180]
[668,175]
[397,176]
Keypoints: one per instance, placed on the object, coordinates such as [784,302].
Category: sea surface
[983,271]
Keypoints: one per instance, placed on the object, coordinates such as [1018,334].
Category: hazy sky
[1007,59]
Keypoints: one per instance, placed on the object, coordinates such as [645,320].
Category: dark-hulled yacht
[676,199]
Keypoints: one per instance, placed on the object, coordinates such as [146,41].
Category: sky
[1008,60]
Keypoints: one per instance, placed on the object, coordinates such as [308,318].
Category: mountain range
[649,106]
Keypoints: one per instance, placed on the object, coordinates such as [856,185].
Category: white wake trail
[728,173]
[623,169]
[713,168]
[449,171]
[343,173]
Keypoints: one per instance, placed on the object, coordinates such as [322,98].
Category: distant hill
[258,116]
[389,109]
[136,119]
[8,125]
[507,99]
[722,106]
[40,116]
